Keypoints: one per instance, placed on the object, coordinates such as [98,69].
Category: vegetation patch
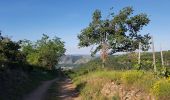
[161,89]
[130,77]
[25,64]
[143,83]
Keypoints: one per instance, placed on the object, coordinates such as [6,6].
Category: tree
[27,47]
[9,50]
[117,33]
[46,52]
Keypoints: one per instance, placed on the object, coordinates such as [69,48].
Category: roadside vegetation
[91,79]
[92,84]
[24,64]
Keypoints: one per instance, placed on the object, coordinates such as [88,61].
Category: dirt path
[66,90]
[39,93]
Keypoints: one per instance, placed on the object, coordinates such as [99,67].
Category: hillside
[120,80]
[73,60]
[126,62]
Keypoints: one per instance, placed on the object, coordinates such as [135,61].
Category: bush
[161,90]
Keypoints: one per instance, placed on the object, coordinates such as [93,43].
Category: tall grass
[145,81]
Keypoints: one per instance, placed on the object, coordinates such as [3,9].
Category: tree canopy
[117,33]
[9,50]
[45,52]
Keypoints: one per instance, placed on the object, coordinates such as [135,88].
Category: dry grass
[94,82]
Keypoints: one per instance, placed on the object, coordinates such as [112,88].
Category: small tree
[46,52]
[117,33]
[9,50]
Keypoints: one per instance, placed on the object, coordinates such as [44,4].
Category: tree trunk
[162,59]
[104,53]
[103,64]
[139,56]
[154,61]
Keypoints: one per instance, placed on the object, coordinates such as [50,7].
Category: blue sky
[29,19]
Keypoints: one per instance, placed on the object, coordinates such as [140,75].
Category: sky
[29,19]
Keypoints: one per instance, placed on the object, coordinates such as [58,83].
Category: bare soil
[39,93]
[65,90]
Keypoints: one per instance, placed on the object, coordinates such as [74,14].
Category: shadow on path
[39,93]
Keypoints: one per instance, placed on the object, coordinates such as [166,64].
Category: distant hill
[74,60]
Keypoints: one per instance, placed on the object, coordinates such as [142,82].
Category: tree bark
[162,59]
[139,56]
[104,53]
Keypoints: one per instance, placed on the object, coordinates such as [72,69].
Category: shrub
[161,89]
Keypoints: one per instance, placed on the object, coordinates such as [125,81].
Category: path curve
[39,93]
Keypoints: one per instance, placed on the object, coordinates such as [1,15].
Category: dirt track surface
[67,90]
[40,92]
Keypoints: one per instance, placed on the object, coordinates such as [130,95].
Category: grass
[93,82]
[161,89]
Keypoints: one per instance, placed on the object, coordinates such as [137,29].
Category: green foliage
[46,52]
[93,83]
[124,62]
[120,32]
[9,50]
[161,90]
[17,77]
